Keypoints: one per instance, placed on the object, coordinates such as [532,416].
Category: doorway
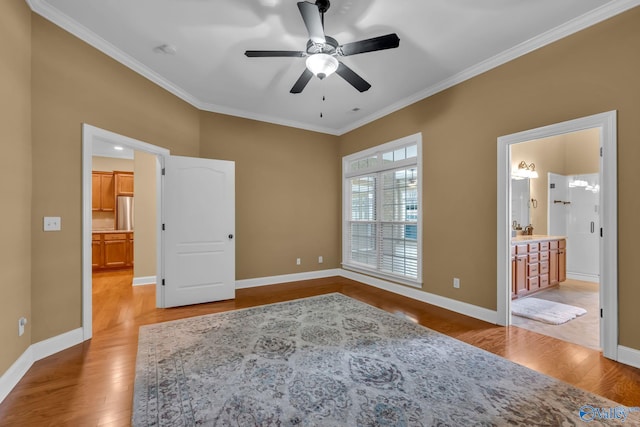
[195,225]
[605,124]
[94,137]
[560,203]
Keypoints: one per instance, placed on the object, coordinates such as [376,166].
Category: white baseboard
[285,278]
[145,280]
[14,374]
[629,356]
[584,277]
[58,343]
[32,354]
[470,310]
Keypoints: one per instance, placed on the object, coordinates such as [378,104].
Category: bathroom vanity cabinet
[537,263]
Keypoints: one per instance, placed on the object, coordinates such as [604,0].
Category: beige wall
[288,180]
[569,154]
[110,164]
[15,179]
[590,72]
[72,84]
[287,194]
[144,189]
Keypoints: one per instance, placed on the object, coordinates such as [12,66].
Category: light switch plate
[52,223]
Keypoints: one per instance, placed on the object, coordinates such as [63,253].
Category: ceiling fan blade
[275,53]
[311,17]
[352,78]
[389,41]
[302,81]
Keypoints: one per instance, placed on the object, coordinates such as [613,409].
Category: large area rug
[542,310]
[334,361]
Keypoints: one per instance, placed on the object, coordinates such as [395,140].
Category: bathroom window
[382,210]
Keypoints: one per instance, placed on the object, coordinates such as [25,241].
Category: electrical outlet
[21,322]
[320,259]
[456,282]
[297,261]
[52,223]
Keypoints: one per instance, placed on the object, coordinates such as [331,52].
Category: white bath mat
[545,311]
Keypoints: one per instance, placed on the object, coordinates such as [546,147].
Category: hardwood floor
[91,384]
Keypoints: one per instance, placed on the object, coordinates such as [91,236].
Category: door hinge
[601,313]
[163,171]
[600,231]
[600,151]
[163,227]
[162,282]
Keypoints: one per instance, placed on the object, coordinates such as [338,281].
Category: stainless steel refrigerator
[125,213]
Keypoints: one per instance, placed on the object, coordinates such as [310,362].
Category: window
[382,211]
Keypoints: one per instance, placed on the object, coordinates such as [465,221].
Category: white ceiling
[442,42]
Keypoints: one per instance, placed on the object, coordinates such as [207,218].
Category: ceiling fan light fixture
[322,65]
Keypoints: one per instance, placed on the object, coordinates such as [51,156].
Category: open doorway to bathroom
[555,217]
[607,234]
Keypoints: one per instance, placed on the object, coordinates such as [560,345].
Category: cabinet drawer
[544,256]
[521,249]
[533,257]
[533,269]
[562,244]
[553,244]
[115,236]
[95,237]
[544,280]
[534,247]
[544,267]
[533,283]
[544,246]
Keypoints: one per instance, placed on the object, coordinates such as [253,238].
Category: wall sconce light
[525,171]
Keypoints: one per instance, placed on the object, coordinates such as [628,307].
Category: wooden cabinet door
[553,267]
[124,184]
[130,249]
[521,275]
[96,251]
[107,193]
[115,250]
[96,192]
[562,265]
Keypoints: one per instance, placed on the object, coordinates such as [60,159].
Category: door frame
[606,122]
[89,135]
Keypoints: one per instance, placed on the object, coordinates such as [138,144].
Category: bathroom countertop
[112,231]
[535,238]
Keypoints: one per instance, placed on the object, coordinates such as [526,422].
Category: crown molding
[608,10]
[580,23]
[52,14]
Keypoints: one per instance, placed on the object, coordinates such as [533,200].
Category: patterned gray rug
[334,361]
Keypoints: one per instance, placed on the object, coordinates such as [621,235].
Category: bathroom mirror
[520,201]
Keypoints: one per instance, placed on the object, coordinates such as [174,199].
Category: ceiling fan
[322,50]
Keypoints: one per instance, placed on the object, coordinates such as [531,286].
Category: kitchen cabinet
[103,192]
[96,251]
[123,183]
[112,250]
[537,265]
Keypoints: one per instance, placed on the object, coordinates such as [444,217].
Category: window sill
[417,283]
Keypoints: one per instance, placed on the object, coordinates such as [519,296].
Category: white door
[199,220]
[583,227]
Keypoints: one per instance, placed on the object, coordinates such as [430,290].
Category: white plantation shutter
[381,233]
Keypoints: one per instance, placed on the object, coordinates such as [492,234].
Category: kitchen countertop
[112,231]
[535,238]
